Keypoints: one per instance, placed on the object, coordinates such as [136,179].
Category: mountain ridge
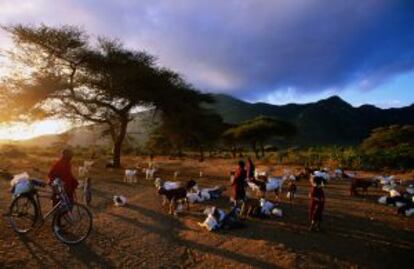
[329,121]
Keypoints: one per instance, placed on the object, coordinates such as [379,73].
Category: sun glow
[23,131]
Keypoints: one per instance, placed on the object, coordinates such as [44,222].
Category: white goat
[120,200]
[168,185]
[176,174]
[149,173]
[258,173]
[385,180]
[271,185]
[83,171]
[131,176]
[204,194]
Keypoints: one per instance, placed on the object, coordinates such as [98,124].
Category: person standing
[250,168]
[238,184]
[62,169]
[317,203]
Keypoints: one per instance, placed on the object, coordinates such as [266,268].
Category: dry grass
[358,231]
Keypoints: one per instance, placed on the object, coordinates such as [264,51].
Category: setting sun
[22,131]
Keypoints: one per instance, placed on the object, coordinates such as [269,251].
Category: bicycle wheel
[23,213]
[74,225]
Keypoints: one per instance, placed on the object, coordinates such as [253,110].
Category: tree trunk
[262,149]
[201,159]
[179,152]
[117,152]
[233,152]
[116,155]
[240,149]
[256,152]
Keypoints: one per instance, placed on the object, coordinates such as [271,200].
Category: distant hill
[326,122]
[138,132]
[329,121]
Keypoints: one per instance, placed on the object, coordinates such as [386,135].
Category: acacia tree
[258,130]
[64,75]
[187,123]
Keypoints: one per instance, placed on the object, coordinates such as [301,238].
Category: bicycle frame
[63,203]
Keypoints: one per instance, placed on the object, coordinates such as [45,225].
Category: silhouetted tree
[64,75]
[258,130]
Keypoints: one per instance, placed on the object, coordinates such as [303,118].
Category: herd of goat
[179,195]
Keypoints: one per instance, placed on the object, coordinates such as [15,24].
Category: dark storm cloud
[251,48]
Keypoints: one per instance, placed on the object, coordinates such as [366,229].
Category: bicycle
[71,224]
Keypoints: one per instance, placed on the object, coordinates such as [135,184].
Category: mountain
[326,122]
[330,121]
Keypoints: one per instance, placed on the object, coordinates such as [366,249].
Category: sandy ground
[358,232]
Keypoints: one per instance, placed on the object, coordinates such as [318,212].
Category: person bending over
[62,169]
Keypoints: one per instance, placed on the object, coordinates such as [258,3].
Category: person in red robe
[62,169]
[317,203]
[238,184]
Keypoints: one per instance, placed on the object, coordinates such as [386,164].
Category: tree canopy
[258,130]
[66,74]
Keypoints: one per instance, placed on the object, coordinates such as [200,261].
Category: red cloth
[63,169]
[238,185]
[317,204]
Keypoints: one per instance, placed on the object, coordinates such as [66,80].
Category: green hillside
[326,122]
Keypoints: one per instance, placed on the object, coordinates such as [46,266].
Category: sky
[272,51]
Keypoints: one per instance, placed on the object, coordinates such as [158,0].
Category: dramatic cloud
[250,48]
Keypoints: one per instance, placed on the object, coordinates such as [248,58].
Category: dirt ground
[358,232]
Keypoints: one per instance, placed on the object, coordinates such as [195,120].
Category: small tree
[257,131]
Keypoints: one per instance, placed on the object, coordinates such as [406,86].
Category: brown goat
[358,183]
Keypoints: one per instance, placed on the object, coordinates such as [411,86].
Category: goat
[84,170]
[291,190]
[386,180]
[176,195]
[304,174]
[205,194]
[341,174]
[119,200]
[357,183]
[176,174]
[131,176]
[149,173]
[168,185]
[270,185]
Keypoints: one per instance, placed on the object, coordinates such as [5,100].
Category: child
[317,203]
[291,189]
